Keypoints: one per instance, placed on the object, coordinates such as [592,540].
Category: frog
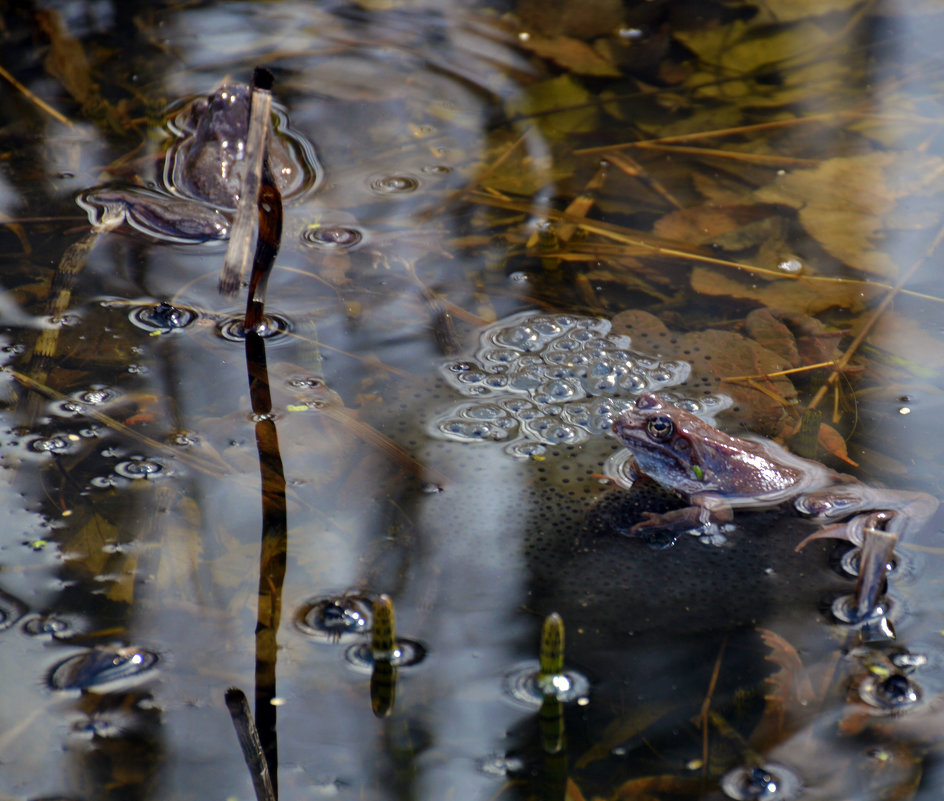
[203,171]
[715,473]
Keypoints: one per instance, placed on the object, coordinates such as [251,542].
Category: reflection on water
[191,510]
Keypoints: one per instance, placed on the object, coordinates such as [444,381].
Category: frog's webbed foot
[852,530]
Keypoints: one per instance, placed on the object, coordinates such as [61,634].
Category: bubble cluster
[551,379]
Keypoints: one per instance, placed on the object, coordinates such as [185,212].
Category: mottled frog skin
[203,173]
[208,164]
[716,473]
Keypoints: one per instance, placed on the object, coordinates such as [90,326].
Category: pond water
[506,221]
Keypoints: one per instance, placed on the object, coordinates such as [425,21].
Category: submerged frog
[716,473]
[204,169]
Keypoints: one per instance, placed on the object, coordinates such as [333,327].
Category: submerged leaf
[849,203]
[571,54]
[561,105]
[807,296]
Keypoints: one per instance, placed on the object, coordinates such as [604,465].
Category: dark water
[137,529]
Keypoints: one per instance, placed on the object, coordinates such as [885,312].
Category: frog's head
[669,445]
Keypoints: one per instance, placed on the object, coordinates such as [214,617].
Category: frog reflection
[716,472]
[203,171]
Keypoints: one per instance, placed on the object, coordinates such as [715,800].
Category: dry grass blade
[38,101]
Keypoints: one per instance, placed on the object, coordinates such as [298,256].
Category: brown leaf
[808,296]
[850,204]
[832,442]
[571,54]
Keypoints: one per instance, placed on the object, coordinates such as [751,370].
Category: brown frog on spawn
[716,473]
[203,172]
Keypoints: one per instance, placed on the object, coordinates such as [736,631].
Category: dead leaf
[571,54]
[807,296]
[832,442]
[850,204]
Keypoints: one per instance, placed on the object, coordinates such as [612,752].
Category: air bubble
[393,184]
[138,467]
[406,654]
[161,318]
[894,693]
[769,782]
[335,618]
[56,443]
[49,625]
[96,396]
[102,667]
[527,686]
[273,326]
[331,237]
[852,558]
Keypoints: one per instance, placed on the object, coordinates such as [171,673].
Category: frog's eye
[660,427]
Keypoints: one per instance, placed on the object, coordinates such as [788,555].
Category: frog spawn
[552,379]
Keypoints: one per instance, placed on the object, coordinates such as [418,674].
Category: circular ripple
[392,184]
[273,326]
[844,610]
[163,317]
[894,693]
[525,685]
[101,667]
[406,654]
[11,610]
[138,467]
[769,782]
[49,625]
[331,237]
[333,619]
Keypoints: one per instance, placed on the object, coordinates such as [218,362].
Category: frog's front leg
[705,508]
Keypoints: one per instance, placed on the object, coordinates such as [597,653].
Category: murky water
[446,348]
